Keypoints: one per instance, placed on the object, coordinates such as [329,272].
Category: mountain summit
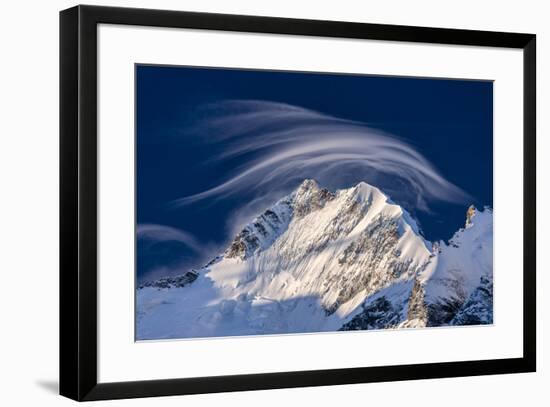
[323,261]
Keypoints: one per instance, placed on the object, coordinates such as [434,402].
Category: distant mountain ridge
[323,261]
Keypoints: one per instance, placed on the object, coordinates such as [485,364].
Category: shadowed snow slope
[324,261]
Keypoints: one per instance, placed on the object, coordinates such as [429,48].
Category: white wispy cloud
[280,145]
[162,233]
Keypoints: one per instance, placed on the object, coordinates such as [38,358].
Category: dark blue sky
[447,121]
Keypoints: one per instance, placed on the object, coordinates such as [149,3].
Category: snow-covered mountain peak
[380,203]
[262,231]
[364,191]
[310,197]
[477,223]
[323,261]
[336,247]
[343,211]
[309,184]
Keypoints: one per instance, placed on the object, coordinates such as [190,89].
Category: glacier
[319,261]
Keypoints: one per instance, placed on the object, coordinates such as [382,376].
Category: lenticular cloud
[278,145]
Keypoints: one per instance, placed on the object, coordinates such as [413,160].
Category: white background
[29,202]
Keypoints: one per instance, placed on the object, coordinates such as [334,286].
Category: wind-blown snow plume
[279,145]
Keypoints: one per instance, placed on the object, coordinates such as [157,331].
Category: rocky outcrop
[171,282]
[261,232]
[470,213]
[380,314]
[375,254]
[478,309]
[416,310]
[309,198]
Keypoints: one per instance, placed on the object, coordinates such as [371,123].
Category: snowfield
[322,261]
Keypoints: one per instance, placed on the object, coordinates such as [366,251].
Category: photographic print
[280,202]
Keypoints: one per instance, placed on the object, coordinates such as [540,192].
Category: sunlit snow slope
[323,261]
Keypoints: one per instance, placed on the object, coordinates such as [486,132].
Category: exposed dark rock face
[245,242]
[381,234]
[443,311]
[309,198]
[375,246]
[478,309]
[344,222]
[379,314]
[171,282]
[417,308]
[260,232]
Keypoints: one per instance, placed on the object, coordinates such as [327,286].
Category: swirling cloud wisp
[162,233]
[279,145]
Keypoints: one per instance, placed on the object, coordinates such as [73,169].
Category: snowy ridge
[460,267]
[323,261]
[262,231]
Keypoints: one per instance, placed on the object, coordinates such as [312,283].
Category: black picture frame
[78,202]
